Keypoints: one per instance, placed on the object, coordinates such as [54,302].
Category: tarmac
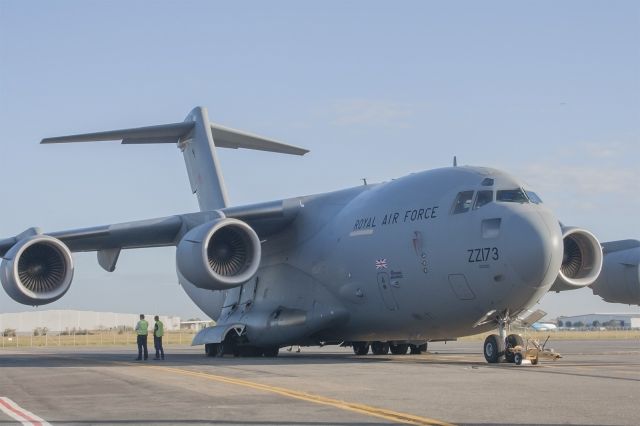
[596,382]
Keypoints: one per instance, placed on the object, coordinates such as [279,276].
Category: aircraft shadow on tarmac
[92,359]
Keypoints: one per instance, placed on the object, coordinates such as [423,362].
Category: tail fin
[197,138]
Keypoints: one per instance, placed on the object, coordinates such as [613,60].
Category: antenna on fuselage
[364,181]
[455,161]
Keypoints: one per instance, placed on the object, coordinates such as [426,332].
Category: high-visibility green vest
[159,329]
[143,328]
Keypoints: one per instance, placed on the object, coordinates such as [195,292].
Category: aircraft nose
[534,247]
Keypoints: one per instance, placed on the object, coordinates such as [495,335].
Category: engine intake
[219,255]
[581,262]
[37,270]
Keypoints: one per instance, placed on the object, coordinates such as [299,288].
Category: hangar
[631,320]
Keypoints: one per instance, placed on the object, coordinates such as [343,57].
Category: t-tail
[197,138]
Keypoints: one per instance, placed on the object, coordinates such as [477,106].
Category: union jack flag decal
[381,264]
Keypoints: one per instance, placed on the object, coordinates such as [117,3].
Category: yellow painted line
[349,406]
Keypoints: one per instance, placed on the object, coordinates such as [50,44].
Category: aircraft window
[512,196]
[487,182]
[463,202]
[534,197]
[483,197]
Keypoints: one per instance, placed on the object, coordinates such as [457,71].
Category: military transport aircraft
[388,267]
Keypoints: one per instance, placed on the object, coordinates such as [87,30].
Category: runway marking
[18,413]
[349,406]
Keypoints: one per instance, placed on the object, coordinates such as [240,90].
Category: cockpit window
[483,197]
[534,197]
[512,196]
[463,202]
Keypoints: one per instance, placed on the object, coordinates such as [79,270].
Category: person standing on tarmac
[142,329]
[158,332]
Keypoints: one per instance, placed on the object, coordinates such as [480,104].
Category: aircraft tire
[208,349]
[417,349]
[249,351]
[399,349]
[380,348]
[513,340]
[492,351]
[360,348]
[517,358]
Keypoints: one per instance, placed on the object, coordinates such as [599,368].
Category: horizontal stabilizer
[223,137]
[165,133]
[230,138]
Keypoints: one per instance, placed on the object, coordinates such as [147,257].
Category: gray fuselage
[404,260]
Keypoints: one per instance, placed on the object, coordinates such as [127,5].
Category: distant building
[57,321]
[195,325]
[601,320]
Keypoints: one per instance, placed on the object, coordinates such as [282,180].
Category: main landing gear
[383,348]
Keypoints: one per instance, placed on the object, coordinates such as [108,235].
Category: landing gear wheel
[513,340]
[219,349]
[380,348]
[399,349]
[249,351]
[209,349]
[360,348]
[271,352]
[492,352]
[417,349]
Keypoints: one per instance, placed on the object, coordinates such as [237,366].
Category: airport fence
[97,338]
[561,334]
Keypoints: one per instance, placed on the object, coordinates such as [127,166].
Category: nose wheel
[496,346]
[492,349]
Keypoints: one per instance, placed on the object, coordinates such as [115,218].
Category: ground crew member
[158,332]
[142,328]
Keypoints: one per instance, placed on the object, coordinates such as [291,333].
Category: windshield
[512,196]
[533,197]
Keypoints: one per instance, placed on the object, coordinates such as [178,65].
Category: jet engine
[581,262]
[219,255]
[37,270]
[619,281]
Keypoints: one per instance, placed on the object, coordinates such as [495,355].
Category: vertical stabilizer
[201,159]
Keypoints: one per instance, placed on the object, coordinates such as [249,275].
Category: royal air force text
[394,218]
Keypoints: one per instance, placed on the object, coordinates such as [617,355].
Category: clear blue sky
[549,91]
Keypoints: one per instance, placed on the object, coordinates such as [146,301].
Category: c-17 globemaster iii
[430,256]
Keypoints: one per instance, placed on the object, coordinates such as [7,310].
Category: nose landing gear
[497,346]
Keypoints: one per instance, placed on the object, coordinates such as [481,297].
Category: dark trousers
[157,343]
[142,344]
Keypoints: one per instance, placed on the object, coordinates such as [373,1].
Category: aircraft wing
[108,240]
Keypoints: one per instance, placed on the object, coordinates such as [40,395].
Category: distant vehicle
[430,256]
[544,326]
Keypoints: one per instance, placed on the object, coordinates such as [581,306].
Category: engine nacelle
[619,281]
[219,255]
[581,262]
[37,270]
